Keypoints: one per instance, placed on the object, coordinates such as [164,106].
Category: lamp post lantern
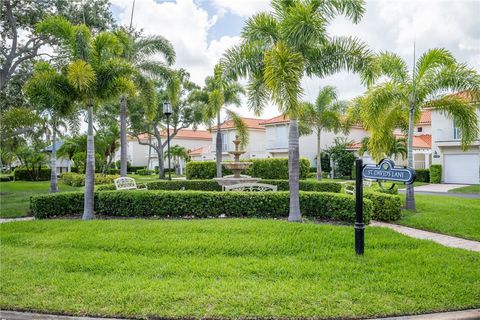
[167,111]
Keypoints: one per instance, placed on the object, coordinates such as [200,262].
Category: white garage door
[462,168]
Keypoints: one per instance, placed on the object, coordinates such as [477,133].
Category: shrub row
[422,175]
[6,178]
[211,185]
[78,180]
[272,168]
[386,207]
[436,173]
[200,204]
[145,172]
[22,173]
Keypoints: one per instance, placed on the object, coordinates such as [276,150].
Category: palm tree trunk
[218,151]
[89,170]
[410,195]
[319,155]
[294,172]
[123,136]
[53,165]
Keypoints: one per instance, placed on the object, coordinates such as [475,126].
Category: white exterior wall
[254,149]
[444,141]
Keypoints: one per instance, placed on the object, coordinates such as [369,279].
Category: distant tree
[397,148]
[178,153]
[324,115]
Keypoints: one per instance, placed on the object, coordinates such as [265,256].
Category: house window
[457,135]
[419,129]
[225,141]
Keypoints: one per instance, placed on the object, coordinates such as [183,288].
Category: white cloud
[243,8]
[186,25]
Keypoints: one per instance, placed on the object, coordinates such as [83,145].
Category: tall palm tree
[279,48]
[396,98]
[51,92]
[139,51]
[97,73]
[216,95]
[325,114]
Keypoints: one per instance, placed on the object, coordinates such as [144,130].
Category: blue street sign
[386,171]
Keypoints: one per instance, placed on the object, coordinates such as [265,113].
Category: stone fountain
[237,167]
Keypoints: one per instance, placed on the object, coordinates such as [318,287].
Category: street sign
[386,171]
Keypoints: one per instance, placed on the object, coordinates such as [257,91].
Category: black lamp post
[167,111]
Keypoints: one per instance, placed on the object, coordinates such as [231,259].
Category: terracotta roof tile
[425,117]
[200,151]
[185,134]
[278,119]
[251,123]
[419,142]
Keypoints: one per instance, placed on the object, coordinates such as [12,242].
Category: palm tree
[139,51]
[178,153]
[325,114]
[68,148]
[96,73]
[51,92]
[216,95]
[396,98]
[398,147]
[280,47]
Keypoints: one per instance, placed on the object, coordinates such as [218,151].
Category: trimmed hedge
[436,173]
[386,207]
[211,185]
[78,180]
[422,175]
[145,172]
[6,178]
[200,204]
[22,173]
[272,168]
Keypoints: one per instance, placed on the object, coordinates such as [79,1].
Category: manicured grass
[453,216]
[15,196]
[228,268]
[469,189]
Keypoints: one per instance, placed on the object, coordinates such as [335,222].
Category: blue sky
[201,30]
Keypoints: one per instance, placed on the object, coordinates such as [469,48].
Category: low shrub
[133,169]
[29,174]
[272,168]
[200,204]
[386,207]
[211,185]
[6,178]
[78,180]
[145,172]
[436,173]
[422,175]
[113,171]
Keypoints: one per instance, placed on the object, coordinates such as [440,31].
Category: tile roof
[251,123]
[278,119]
[185,134]
[423,141]
[425,117]
[200,151]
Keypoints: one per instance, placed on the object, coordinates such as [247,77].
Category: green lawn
[228,268]
[468,189]
[453,216]
[15,196]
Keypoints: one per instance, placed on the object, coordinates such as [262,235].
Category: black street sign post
[384,171]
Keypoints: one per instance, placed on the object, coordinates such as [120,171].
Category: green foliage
[211,185]
[422,175]
[343,159]
[200,204]
[113,171]
[78,180]
[386,207]
[436,173]
[272,168]
[145,172]
[32,173]
[6,177]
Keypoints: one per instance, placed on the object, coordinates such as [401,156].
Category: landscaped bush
[272,168]
[422,175]
[436,173]
[386,207]
[113,171]
[145,172]
[212,185]
[133,169]
[200,204]
[6,178]
[78,180]
[37,174]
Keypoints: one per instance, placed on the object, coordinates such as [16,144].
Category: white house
[142,155]
[62,165]
[277,139]
[459,166]
[256,146]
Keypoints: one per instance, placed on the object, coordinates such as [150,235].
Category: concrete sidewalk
[442,239]
[5,220]
[457,315]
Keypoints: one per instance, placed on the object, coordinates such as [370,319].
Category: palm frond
[154,45]
[240,126]
[261,27]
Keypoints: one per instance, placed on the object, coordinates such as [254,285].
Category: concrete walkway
[446,194]
[457,315]
[5,220]
[442,239]
[439,187]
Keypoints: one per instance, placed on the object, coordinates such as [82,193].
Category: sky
[201,31]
